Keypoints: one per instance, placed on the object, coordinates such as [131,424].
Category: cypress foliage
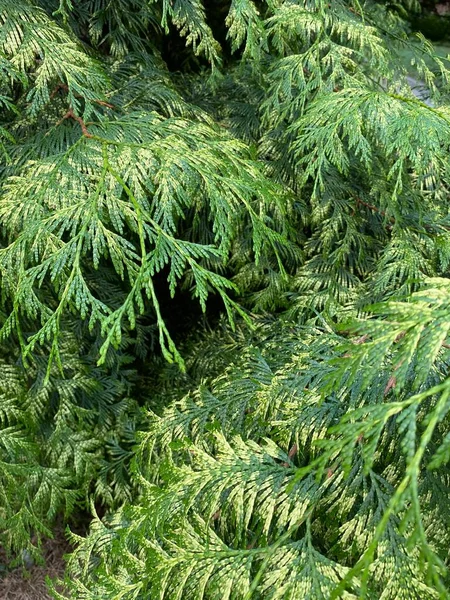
[158,156]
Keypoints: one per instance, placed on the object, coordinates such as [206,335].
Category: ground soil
[18,584]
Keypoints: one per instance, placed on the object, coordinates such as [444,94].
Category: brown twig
[390,385]
[71,115]
[373,208]
[292,452]
[103,103]
[59,86]
[392,219]
[65,88]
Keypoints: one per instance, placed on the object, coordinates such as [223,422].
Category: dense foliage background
[225,304]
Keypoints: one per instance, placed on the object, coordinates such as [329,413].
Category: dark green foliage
[65,437]
[266,164]
[315,464]
[432,26]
